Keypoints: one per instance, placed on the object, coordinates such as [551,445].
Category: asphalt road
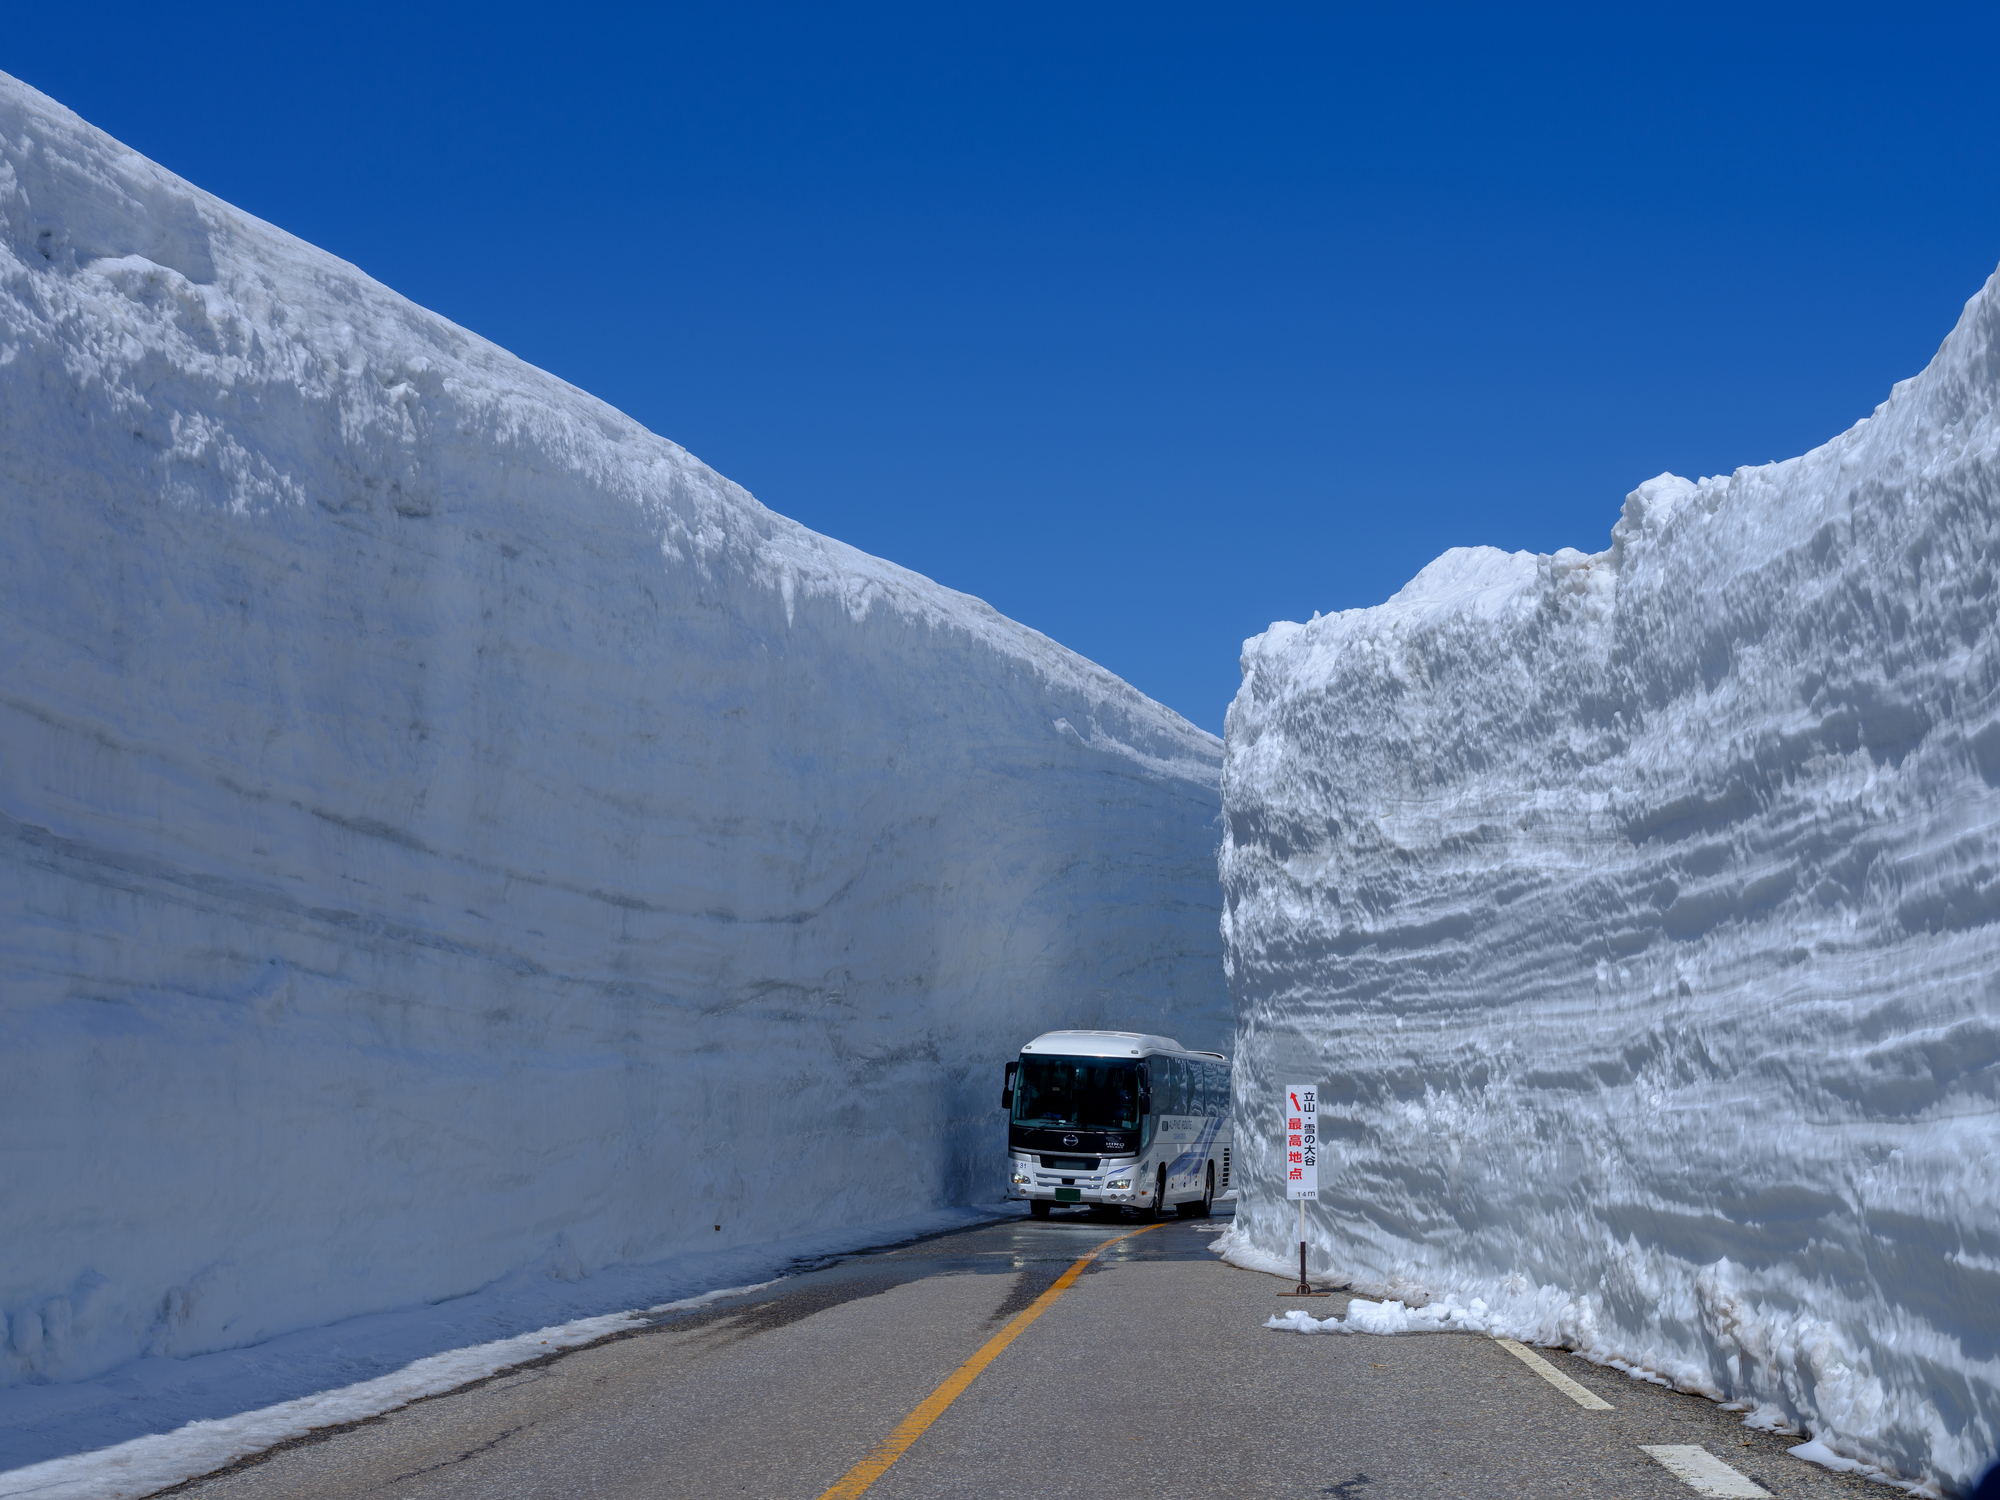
[1150,1376]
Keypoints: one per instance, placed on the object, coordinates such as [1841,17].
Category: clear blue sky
[1147,324]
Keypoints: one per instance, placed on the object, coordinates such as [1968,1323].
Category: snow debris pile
[446,829]
[1640,915]
[1447,1315]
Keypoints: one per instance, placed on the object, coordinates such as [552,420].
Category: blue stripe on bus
[1188,1160]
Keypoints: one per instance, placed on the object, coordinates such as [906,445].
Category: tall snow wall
[1640,915]
[445,826]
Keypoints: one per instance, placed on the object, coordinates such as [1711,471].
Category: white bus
[1117,1120]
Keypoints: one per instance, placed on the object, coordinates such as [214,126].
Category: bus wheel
[1039,1207]
[1160,1196]
[1208,1197]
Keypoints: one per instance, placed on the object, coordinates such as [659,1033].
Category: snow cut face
[1638,913]
[445,827]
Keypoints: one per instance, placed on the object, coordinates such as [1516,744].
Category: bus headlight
[1116,1185]
[1020,1179]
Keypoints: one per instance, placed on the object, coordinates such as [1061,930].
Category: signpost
[1299,1110]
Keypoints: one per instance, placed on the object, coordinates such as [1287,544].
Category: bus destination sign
[1300,1112]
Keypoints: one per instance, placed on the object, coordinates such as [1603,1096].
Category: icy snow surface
[1638,913]
[447,831]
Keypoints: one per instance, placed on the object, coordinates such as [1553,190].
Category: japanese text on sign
[1299,1113]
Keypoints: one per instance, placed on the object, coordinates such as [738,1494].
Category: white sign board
[1300,1113]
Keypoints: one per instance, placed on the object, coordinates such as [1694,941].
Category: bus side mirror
[1007,1089]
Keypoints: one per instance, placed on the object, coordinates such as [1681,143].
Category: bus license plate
[1069,1195]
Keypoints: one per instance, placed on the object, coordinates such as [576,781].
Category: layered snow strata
[1638,913]
[445,827]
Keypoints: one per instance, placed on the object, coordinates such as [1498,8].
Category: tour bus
[1117,1120]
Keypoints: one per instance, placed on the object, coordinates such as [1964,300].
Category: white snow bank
[1817,1452]
[1640,915]
[151,1463]
[238,1381]
[446,829]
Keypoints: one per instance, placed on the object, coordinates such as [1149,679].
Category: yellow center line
[893,1447]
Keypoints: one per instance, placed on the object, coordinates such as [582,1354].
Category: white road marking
[1702,1472]
[1583,1398]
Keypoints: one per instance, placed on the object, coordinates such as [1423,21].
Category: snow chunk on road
[1362,1316]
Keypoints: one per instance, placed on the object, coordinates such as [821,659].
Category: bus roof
[1108,1044]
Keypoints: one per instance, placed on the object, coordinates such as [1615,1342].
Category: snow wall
[1640,915]
[445,827]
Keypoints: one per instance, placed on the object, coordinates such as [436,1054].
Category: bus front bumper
[1112,1183]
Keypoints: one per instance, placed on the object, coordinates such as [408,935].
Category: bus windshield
[1094,1093]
